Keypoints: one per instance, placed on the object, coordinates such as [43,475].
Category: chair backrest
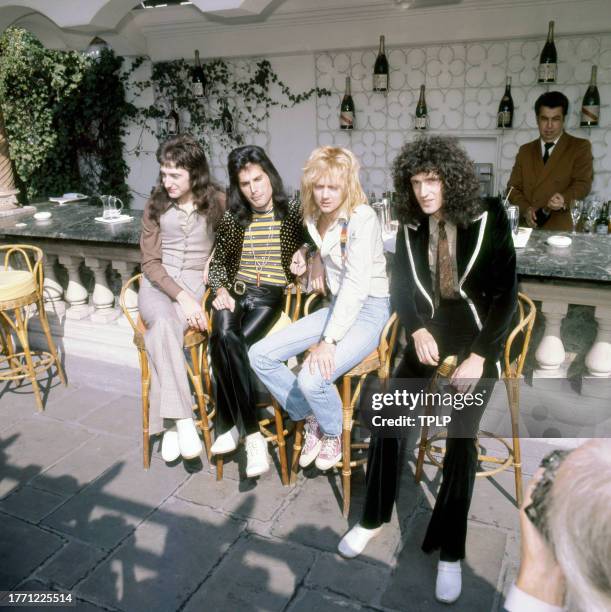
[134,279]
[520,333]
[29,253]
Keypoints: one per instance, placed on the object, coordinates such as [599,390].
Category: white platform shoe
[189,441]
[449,581]
[257,456]
[355,541]
[226,443]
[170,451]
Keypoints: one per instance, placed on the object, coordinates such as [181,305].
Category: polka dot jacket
[230,239]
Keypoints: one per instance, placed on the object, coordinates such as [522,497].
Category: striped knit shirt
[261,252]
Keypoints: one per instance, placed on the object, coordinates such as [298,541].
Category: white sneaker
[226,442]
[188,439]
[170,451]
[449,581]
[354,542]
[257,457]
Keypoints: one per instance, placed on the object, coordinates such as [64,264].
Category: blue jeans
[310,393]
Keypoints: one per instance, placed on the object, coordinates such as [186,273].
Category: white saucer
[559,241]
[42,216]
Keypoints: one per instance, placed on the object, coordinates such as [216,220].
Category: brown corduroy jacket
[568,171]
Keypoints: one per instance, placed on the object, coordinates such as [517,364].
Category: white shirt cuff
[520,601]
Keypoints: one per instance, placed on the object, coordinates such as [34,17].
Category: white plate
[69,197]
[42,216]
[559,241]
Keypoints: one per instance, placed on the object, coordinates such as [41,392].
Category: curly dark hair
[183,151]
[237,204]
[444,157]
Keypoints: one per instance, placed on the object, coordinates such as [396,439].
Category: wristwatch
[329,340]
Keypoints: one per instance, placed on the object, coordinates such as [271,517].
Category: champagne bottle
[548,62]
[602,222]
[346,117]
[421,114]
[590,107]
[542,215]
[505,114]
[173,121]
[380,70]
[198,78]
[226,119]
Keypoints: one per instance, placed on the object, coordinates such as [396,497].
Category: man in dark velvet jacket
[454,288]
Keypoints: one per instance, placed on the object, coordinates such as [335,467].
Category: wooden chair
[513,364]
[273,429]
[378,361]
[19,290]
[195,342]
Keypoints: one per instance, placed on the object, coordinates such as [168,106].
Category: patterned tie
[445,278]
[548,146]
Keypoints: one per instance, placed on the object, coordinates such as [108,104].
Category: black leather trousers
[454,330]
[233,333]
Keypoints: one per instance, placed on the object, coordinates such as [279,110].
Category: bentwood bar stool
[514,356]
[195,343]
[273,429]
[20,290]
[378,361]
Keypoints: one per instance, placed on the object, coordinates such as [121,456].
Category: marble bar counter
[578,274]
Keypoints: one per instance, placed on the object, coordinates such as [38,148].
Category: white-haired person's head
[579,522]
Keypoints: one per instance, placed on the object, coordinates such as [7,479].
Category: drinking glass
[576,210]
[592,214]
[513,214]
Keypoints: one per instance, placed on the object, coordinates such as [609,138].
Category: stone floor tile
[23,397]
[267,492]
[352,578]
[256,574]
[31,504]
[164,560]
[107,510]
[413,579]
[85,464]
[122,416]
[24,547]
[31,445]
[78,404]
[308,600]
[70,564]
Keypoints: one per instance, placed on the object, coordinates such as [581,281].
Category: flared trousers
[454,330]
[170,394]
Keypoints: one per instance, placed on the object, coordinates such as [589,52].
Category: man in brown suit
[552,170]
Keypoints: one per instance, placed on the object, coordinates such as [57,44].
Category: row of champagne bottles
[590,107]
[548,69]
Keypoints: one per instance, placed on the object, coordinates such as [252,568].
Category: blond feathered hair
[341,166]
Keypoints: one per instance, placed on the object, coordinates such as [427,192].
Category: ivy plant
[65,117]
[237,99]
[66,114]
